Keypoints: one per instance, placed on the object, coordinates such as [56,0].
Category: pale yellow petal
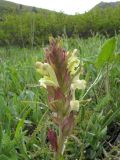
[73,62]
[50,73]
[40,68]
[74,105]
[46,82]
[78,84]
[49,78]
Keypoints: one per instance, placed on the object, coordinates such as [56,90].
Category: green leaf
[110,117]
[61,158]
[106,53]
[103,103]
[21,123]
[3,157]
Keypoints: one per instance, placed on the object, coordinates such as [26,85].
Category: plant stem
[60,151]
[82,152]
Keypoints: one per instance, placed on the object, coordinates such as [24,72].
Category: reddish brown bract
[52,137]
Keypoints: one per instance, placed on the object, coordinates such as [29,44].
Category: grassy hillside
[10,7]
[104,5]
[30,26]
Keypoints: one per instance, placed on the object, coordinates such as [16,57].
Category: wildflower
[49,75]
[61,72]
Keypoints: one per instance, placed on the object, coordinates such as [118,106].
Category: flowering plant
[61,71]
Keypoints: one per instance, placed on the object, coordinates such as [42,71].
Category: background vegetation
[30,26]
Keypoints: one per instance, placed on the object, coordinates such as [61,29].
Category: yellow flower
[74,105]
[78,84]
[73,62]
[47,71]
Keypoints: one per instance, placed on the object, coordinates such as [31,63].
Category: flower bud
[52,137]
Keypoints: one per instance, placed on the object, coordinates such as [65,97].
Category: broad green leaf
[106,53]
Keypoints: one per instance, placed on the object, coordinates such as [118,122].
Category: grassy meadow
[24,113]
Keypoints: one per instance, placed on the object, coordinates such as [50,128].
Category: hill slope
[7,6]
[11,7]
[23,25]
[104,5]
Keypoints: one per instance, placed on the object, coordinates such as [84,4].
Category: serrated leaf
[106,53]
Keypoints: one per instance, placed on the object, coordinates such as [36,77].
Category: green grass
[24,114]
